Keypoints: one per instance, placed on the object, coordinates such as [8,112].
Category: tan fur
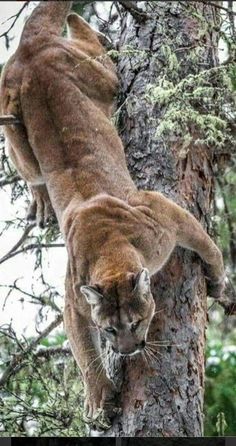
[63,90]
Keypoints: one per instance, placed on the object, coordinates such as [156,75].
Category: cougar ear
[142,286]
[92,296]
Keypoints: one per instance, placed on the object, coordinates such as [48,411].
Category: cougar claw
[229,307]
[31,211]
[117,410]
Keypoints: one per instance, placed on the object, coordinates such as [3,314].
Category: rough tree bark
[166,397]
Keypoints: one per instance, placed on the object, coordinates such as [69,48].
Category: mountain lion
[62,89]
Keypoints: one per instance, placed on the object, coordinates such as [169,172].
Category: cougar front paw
[100,409]
[40,208]
[230,308]
[228,301]
[215,289]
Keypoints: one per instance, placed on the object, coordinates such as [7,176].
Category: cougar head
[123,313]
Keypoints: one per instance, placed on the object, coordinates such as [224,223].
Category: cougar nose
[114,349]
[141,346]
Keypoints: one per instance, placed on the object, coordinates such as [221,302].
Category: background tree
[175,116]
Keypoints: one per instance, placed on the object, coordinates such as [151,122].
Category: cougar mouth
[131,353]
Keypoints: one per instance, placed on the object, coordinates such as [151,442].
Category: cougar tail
[48,16]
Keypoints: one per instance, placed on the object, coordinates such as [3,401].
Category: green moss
[203,102]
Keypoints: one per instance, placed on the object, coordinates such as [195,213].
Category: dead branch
[9,120]
[41,299]
[18,358]
[15,17]
[21,240]
[31,247]
[219,6]
[130,6]
[10,180]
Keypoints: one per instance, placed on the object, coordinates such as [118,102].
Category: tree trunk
[165,397]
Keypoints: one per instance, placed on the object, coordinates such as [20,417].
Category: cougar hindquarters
[45,21]
[91,55]
[23,158]
[78,54]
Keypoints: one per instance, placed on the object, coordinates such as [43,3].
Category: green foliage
[200,104]
[225,220]
[220,391]
[80,6]
[220,401]
[45,396]
[232,75]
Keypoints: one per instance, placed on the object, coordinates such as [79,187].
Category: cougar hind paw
[31,211]
[42,213]
[40,209]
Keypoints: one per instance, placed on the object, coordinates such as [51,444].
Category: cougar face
[124,317]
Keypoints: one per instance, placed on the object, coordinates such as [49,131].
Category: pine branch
[46,353]
[18,358]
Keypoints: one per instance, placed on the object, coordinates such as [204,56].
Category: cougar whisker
[95,359]
[158,311]
[151,359]
[153,349]
[158,344]
[144,356]
[153,356]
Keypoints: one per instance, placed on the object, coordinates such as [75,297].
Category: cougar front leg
[187,232]
[100,403]
[191,235]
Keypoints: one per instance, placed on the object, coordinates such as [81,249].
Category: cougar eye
[110,330]
[135,325]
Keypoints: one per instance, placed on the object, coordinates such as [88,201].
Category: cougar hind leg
[40,209]
[188,233]
[22,156]
[192,236]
